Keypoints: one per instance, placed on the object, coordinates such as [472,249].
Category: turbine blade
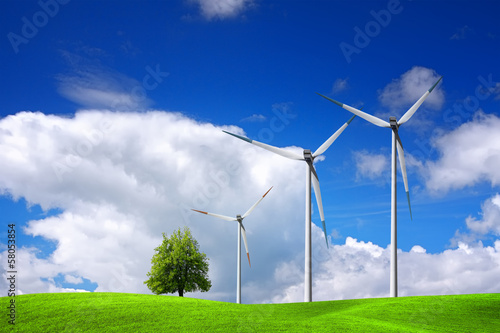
[417,104]
[255,205]
[227,218]
[317,193]
[402,162]
[334,137]
[276,150]
[244,233]
[324,231]
[409,205]
[372,119]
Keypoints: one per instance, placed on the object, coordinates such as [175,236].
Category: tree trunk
[181,293]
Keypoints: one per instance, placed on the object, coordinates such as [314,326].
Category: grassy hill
[116,312]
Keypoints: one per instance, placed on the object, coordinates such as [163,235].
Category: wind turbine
[308,157]
[396,145]
[241,230]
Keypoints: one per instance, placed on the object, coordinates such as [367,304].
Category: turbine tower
[241,230]
[308,157]
[396,145]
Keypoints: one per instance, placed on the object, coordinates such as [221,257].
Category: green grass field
[116,312]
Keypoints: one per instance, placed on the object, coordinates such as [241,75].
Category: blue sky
[110,131]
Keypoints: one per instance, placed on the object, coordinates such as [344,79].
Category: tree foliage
[178,265]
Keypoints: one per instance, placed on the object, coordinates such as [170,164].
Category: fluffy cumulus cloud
[358,269]
[403,92]
[220,9]
[121,179]
[468,155]
[490,221]
[478,228]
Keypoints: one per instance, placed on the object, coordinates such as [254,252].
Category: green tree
[178,265]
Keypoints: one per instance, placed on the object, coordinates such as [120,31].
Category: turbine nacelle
[308,155]
[394,123]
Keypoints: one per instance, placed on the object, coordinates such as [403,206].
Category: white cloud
[254,118]
[403,92]
[220,9]
[124,178]
[91,85]
[339,85]
[462,33]
[121,179]
[496,90]
[468,155]
[479,228]
[95,88]
[418,249]
[370,165]
[490,221]
[358,269]
[34,275]
[73,279]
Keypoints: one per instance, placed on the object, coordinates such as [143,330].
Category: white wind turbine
[241,230]
[396,144]
[308,157]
